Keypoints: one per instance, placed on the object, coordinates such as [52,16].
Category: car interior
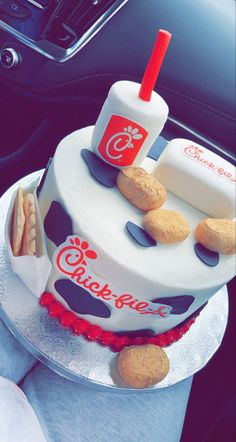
[58,59]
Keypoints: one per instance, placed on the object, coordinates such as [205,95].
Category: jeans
[60,410]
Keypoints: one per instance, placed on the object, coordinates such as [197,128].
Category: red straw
[154,65]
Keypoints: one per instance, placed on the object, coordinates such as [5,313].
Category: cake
[127,245]
[100,271]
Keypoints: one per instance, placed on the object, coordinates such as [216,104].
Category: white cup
[127,125]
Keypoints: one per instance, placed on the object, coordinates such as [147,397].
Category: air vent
[74,19]
[58,29]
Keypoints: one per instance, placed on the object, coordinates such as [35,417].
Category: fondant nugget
[18,222]
[143,366]
[141,188]
[166,226]
[29,236]
[217,235]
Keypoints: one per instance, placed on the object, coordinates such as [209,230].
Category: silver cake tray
[87,362]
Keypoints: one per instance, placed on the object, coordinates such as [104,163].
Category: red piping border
[91,332]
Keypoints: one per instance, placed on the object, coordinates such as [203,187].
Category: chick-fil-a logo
[199,155]
[74,257]
[121,141]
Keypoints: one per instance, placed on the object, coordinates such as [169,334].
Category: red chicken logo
[121,141]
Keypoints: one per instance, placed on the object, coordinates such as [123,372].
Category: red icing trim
[92,332]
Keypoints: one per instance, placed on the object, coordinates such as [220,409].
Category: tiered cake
[100,271]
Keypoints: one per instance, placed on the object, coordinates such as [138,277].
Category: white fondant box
[198,176]
[33,270]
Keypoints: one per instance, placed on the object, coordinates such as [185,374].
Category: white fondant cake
[99,271]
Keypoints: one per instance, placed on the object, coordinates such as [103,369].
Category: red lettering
[141,306]
[162,311]
[69,257]
[80,271]
[104,293]
[85,281]
[193,152]
[93,286]
[212,166]
[122,300]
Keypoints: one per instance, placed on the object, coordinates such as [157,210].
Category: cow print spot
[140,236]
[42,181]
[179,304]
[157,148]
[205,255]
[193,315]
[80,300]
[57,224]
[136,333]
[104,173]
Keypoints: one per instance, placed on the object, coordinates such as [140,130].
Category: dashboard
[57,29]
[71,51]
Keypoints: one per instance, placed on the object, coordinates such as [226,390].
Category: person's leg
[70,412]
[18,421]
[15,361]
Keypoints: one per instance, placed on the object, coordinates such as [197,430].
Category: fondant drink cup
[128,126]
[133,115]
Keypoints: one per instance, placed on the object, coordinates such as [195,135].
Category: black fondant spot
[136,333]
[157,148]
[80,300]
[179,304]
[205,255]
[42,181]
[140,236]
[57,224]
[104,173]
[196,313]
[149,332]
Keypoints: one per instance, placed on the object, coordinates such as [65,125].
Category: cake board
[88,362]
